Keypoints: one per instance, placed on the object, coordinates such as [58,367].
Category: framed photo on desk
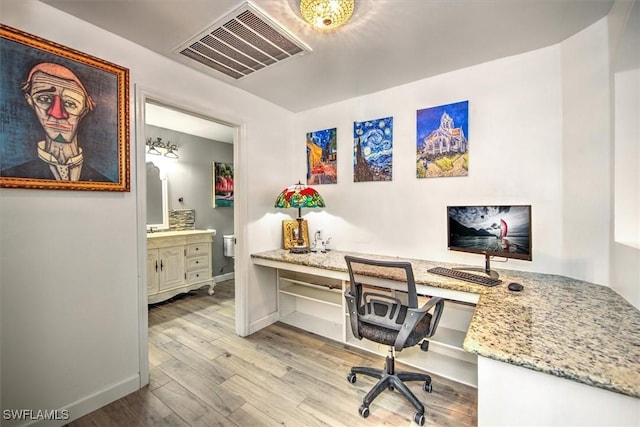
[290,233]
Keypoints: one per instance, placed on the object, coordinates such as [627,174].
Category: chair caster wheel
[424,345]
[418,418]
[427,387]
[351,378]
[364,411]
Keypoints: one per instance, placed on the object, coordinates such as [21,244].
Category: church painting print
[442,147]
[65,120]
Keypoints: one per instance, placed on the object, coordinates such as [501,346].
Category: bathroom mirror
[157,205]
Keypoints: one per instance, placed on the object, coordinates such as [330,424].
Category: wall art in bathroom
[442,147]
[222,185]
[66,117]
[322,157]
[373,150]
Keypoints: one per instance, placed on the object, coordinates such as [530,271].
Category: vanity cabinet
[177,262]
[165,269]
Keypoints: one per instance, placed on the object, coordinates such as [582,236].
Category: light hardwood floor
[202,374]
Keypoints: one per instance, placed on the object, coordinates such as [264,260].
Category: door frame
[142,96]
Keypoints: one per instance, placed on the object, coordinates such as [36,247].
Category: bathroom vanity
[177,262]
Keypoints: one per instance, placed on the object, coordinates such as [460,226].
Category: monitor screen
[503,231]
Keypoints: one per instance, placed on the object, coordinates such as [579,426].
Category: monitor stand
[486,270]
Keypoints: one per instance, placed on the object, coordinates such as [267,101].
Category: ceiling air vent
[241,43]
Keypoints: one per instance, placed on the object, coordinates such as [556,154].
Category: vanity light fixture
[156,146]
[326,14]
[171,151]
[299,196]
[151,147]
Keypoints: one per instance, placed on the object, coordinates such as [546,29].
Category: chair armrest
[415,315]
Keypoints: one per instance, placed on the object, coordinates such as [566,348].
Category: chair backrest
[396,275]
[380,296]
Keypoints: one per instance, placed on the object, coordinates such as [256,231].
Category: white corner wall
[624,21]
[70,263]
[586,153]
[515,157]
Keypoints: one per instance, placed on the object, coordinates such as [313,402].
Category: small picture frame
[290,233]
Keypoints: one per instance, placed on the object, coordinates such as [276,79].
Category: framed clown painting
[64,117]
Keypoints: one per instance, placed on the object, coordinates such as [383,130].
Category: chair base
[391,380]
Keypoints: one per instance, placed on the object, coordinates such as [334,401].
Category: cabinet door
[153,268]
[171,267]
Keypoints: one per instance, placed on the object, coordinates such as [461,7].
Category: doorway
[192,136]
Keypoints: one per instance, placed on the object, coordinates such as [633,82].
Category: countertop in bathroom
[174,233]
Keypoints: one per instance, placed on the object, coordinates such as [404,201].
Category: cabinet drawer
[197,262]
[198,276]
[197,249]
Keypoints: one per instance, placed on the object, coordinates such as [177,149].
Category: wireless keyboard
[463,275]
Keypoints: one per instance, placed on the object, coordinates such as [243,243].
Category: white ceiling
[387,42]
[169,118]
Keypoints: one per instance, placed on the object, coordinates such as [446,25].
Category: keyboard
[463,275]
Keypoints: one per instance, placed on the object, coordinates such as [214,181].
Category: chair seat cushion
[387,336]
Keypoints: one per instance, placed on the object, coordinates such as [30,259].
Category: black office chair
[383,307]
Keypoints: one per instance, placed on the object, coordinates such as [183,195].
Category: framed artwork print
[442,147]
[65,117]
[322,155]
[373,150]
[222,184]
[290,233]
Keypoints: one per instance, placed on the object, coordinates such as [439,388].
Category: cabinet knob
[197,262]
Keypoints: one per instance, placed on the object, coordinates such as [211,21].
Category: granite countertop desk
[557,325]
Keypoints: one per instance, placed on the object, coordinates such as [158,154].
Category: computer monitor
[502,231]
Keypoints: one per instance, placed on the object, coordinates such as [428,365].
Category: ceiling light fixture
[326,14]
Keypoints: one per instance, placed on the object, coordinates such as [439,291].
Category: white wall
[69,261]
[513,396]
[587,173]
[515,157]
[624,28]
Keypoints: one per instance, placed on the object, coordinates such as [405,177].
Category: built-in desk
[529,343]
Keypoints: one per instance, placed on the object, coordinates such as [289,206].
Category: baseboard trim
[90,403]
[223,277]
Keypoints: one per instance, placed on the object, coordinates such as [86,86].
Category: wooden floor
[202,374]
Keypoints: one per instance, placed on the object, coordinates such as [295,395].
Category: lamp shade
[299,196]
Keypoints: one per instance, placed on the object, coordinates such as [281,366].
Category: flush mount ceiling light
[326,14]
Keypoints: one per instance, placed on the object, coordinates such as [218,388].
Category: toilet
[229,245]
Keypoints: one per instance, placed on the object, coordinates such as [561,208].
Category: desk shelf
[317,325]
[316,304]
[312,303]
[311,292]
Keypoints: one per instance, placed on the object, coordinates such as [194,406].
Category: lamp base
[299,250]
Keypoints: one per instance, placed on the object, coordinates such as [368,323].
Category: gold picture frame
[53,140]
[290,233]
